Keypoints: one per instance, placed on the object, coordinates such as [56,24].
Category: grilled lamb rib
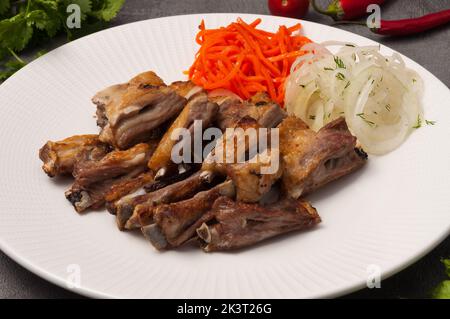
[93,196]
[312,159]
[94,179]
[232,225]
[130,113]
[60,157]
[198,108]
[171,188]
[143,213]
[260,107]
[176,223]
[250,179]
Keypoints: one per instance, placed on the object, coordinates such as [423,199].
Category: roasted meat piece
[131,113]
[95,179]
[252,165]
[60,157]
[164,190]
[125,188]
[237,146]
[176,223]
[255,178]
[266,112]
[93,195]
[313,159]
[143,213]
[114,164]
[198,108]
[233,225]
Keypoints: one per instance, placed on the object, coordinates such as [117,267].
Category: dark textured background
[430,50]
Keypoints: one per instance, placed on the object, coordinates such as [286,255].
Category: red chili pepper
[415,25]
[346,9]
[289,8]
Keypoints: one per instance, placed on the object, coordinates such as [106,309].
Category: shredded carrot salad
[246,60]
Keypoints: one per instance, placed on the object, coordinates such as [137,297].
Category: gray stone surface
[430,50]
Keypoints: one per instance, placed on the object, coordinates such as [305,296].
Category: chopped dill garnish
[312,117]
[340,76]
[328,69]
[388,107]
[430,122]
[347,85]
[339,63]
[349,45]
[418,123]
[302,85]
[363,117]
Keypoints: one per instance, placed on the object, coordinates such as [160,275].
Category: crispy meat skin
[250,180]
[95,179]
[197,108]
[176,223]
[112,165]
[154,191]
[312,159]
[143,213]
[129,113]
[235,225]
[60,157]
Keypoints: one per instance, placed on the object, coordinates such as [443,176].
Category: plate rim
[93,293]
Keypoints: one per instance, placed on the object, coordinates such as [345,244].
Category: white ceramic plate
[388,215]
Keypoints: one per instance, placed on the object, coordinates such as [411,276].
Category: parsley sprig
[29,23]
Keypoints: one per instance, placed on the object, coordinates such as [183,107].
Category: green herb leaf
[442,291]
[15,33]
[446,263]
[312,117]
[363,117]
[340,76]
[430,122]
[11,67]
[418,123]
[109,9]
[339,63]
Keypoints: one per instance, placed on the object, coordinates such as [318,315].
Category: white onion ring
[378,95]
